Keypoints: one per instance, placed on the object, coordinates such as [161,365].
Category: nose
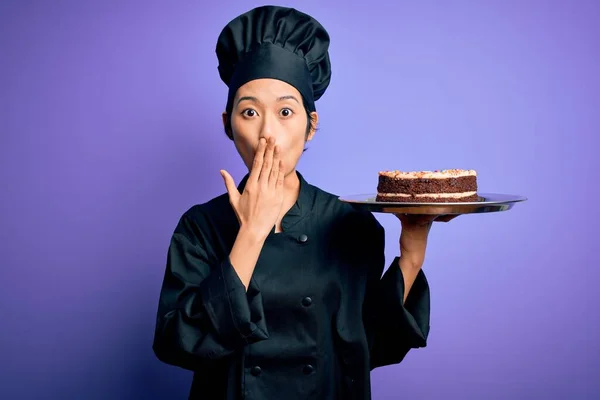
[269,127]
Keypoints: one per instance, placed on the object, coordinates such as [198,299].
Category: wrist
[410,263]
[251,236]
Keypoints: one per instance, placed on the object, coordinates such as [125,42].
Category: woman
[274,290]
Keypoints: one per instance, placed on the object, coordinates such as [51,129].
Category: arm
[258,208]
[397,320]
[244,254]
[410,272]
[205,311]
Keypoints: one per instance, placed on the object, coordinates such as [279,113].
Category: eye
[286,112]
[249,113]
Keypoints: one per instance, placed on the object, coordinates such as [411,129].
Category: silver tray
[488,202]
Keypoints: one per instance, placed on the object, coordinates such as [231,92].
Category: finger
[445,218]
[258,160]
[275,168]
[424,220]
[405,218]
[265,172]
[280,176]
[427,219]
[232,189]
[416,219]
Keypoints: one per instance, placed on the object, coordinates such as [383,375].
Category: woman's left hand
[414,234]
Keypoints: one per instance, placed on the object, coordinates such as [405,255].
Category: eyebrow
[255,100]
[288,97]
[248,98]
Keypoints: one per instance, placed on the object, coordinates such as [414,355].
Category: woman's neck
[291,186]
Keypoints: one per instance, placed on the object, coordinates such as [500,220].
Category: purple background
[110,128]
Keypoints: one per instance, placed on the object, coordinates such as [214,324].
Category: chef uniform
[318,315]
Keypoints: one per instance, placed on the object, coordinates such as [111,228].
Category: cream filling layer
[432,195]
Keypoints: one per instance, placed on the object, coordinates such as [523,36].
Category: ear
[313,126]
[224,116]
[227,125]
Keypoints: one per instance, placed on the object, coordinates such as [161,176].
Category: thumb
[446,218]
[234,194]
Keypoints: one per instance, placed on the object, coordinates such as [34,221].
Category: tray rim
[490,202]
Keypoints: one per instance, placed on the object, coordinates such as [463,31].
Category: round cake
[441,186]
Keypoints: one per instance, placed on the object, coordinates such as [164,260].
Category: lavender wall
[110,128]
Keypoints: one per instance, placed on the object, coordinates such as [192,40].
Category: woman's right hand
[259,206]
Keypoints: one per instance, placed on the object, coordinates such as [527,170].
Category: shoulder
[205,216]
[344,214]
[216,206]
[354,233]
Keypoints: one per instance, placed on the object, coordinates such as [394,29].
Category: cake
[450,185]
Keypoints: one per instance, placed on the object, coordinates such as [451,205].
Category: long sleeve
[204,311]
[394,327]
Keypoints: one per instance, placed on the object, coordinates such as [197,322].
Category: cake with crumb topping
[440,186]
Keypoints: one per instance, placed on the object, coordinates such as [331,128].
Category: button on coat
[307,301]
[303,238]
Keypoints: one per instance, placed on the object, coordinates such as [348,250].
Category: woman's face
[266,108]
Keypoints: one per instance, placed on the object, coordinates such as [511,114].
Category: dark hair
[310,122]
